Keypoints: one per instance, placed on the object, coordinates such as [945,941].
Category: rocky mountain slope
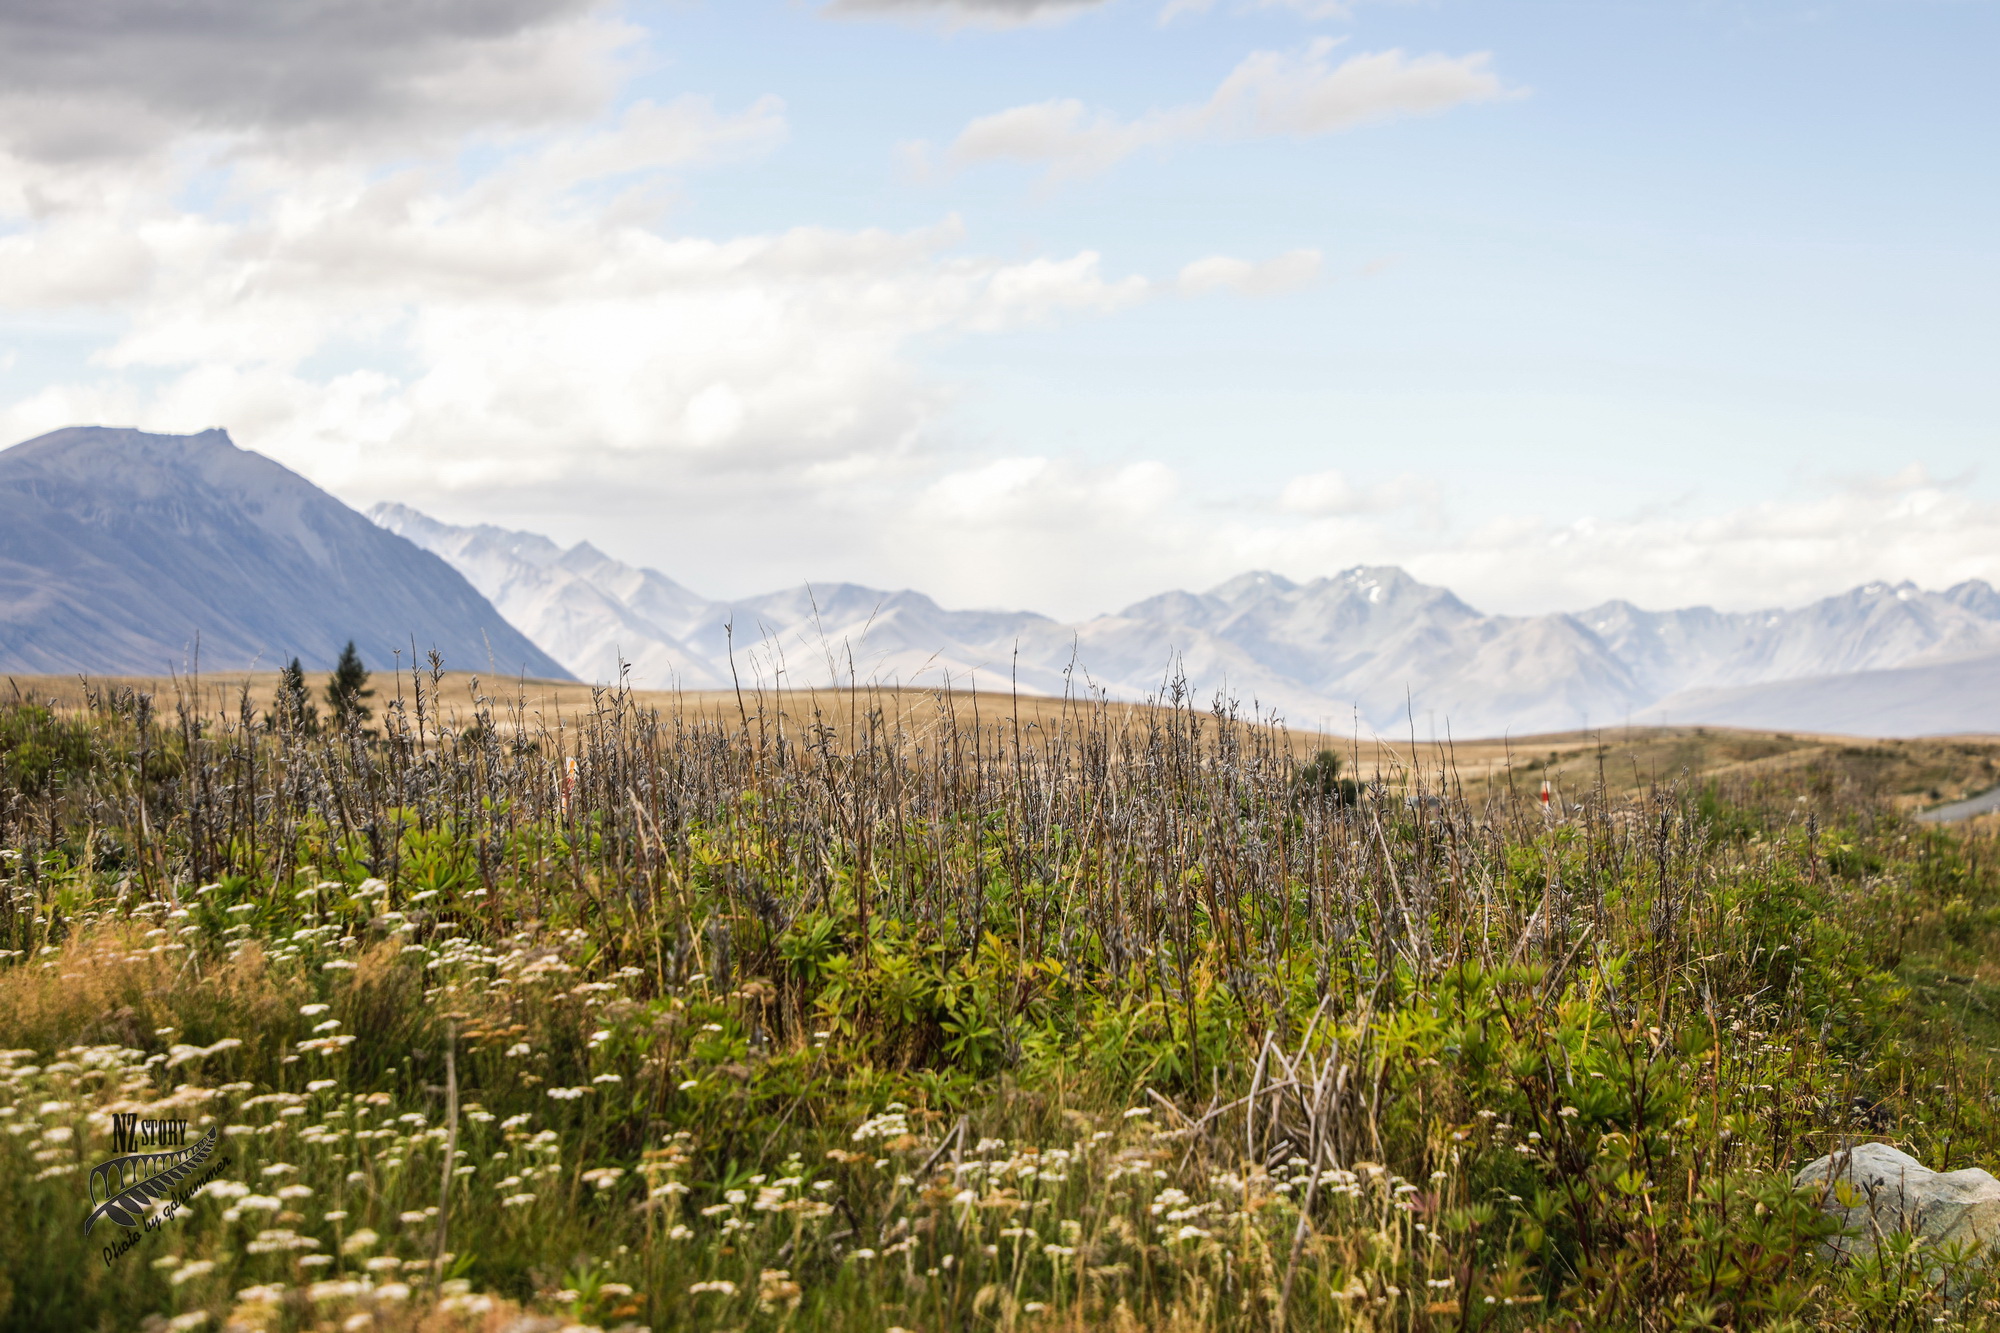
[121,550]
[595,613]
[1371,647]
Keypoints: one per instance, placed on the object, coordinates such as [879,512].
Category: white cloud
[1779,552]
[1782,552]
[1071,540]
[529,338]
[1287,272]
[714,416]
[1061,131]
[1327,492]
[1307,9]
[543,360]
[1320,494]
[89,263]
[1012,495]
[546,347]
[748,412]
[999,13]
[1034,291]
[1274,92]
[647,137]
[525,341]
[1271,93]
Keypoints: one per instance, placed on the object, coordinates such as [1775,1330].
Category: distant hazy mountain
[1875,626]
[1950,697]
[593,612]
[119,549]
[1370,647]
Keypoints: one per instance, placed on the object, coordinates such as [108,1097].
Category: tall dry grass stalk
[833,1014]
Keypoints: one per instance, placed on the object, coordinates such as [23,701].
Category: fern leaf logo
[127,1184]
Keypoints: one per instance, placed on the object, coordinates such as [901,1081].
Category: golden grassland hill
[1909,774]
[1912,774]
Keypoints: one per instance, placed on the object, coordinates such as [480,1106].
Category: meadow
[851,1012]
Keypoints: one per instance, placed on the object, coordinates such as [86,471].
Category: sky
[1048,304]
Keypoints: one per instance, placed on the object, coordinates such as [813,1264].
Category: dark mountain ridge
[121,551]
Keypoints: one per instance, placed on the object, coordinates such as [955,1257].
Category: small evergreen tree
[1320,780]
[347,687]
[293,709]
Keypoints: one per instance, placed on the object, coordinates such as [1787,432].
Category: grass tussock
[1093,1020]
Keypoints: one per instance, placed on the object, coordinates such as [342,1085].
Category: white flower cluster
[893,1123]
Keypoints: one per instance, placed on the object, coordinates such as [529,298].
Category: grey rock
[1892,1191]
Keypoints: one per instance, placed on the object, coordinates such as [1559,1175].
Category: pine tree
[1320,780]
[293,709]
[347,687]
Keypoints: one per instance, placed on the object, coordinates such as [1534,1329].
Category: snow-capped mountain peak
[1370,643]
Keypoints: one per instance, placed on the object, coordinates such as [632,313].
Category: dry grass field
[1912,774]
[550,1008]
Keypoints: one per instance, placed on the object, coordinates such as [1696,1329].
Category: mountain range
[1369,648]
[128,552]
[123,551]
